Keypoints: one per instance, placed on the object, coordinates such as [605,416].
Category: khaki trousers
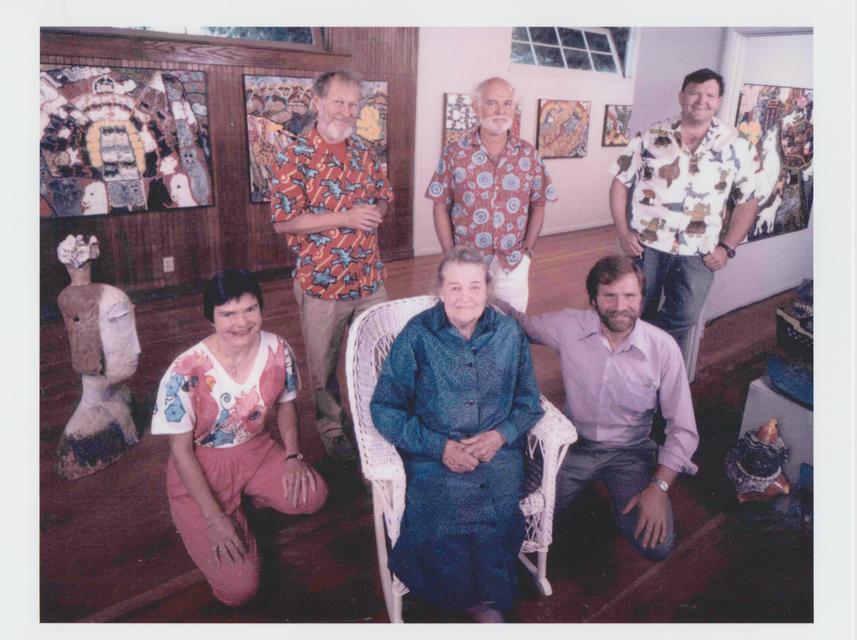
[324,323]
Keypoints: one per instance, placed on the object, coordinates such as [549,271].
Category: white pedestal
[794,422]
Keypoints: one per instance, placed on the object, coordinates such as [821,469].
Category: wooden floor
[109,551]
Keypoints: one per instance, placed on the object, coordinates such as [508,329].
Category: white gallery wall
[456,59]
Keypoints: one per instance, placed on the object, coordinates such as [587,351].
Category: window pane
[520,33]
[576,59]
[549,56]
[603,62]
[545,35]
[598,41]
[620,41]
[302,35]
[572,38]
[522,54]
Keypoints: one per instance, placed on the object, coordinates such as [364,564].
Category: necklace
[232,367]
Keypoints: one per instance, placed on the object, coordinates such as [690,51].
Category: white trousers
[513,287]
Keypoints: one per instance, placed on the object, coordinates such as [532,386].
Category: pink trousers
[254,468]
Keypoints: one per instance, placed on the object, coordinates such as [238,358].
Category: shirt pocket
[636,397]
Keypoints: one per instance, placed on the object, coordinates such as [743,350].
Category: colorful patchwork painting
[279,108]
[616,119]
[459,118]
[778,122]
[121,139]
[563,128]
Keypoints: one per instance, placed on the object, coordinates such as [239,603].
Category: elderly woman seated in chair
[456,396]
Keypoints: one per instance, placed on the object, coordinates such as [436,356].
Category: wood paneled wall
[233,232]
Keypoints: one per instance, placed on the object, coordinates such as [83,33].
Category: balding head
[488,86]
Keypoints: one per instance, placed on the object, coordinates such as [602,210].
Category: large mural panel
[778,122]
[122,139]
[279,108]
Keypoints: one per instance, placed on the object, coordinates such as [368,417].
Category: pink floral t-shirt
[197,394]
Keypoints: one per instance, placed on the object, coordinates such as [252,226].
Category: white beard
[496,124]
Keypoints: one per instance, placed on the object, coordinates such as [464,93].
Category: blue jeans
[684,282]
[626,471]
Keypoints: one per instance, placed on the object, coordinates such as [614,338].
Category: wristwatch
[298,456]
[730,252]
[663,485]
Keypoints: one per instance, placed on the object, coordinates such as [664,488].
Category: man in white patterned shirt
[682,172]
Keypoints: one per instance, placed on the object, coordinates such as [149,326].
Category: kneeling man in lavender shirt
[616,371]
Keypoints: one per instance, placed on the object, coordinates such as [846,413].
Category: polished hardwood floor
[109,551]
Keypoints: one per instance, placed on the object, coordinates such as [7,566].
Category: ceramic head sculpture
[755,464]
[102,334]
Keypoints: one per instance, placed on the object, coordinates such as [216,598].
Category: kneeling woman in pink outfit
[213,403]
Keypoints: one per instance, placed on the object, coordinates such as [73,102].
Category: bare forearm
[287,425]
[619,205]
[306,222]
[443,226]
[743,218]
[181,450]
[534,226]
[666,474]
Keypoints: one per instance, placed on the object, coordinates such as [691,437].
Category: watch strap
[298,456]
[730,252]
[663,485]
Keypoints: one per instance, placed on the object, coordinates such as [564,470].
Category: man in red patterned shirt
[329,193]
[489,192]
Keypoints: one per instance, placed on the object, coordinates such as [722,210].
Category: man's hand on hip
[652,517]
[716,260]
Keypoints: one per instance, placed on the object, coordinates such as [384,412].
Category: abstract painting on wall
[563,128]
[279,109]
[459,118]
[121,139]
[616,119]
[778,122]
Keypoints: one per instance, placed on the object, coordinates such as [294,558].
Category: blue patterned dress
[461,532]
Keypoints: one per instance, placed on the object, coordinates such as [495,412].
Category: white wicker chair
[369,341]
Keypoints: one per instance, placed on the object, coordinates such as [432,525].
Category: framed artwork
[459,118]
[122,139]
[616,119]
[778,122]
[279,108]
[563,128]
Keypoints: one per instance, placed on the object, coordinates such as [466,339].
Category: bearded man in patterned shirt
[489,192]
[682,172]
[329,193]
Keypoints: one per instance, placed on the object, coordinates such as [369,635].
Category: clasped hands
[465,456]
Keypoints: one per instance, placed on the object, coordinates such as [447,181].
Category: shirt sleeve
[543,329]
[543,188]
[174,411]
[381,187]
[288,198]
[526,409]
[392,404]
[746,178]
[628,164]
[676,405]
[292,376]
[440,187]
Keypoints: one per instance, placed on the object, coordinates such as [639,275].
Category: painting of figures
[459,118]
[563,128]
[778,122]
[120,139]
[279,108]
[616,119]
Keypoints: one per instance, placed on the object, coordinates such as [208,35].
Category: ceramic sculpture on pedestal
[102,334]
[755,465]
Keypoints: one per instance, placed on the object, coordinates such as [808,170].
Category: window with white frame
[586,48]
